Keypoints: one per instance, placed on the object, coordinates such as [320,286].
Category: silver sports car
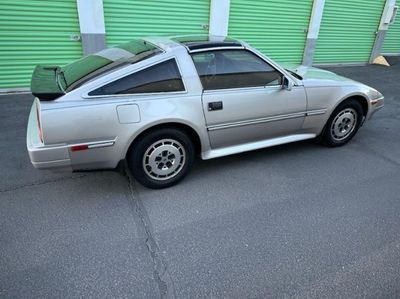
[159,102]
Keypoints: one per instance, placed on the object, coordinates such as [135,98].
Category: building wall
[278,28]
[347,31]
[35,32]
[392,38]
[127,19]
[42,32]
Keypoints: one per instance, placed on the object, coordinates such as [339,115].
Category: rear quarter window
[162,77]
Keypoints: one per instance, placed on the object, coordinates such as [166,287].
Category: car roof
[194,43]
[199,42]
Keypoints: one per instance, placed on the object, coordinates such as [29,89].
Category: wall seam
[313,32]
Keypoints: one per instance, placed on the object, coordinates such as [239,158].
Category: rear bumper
[49,157]
[42,156]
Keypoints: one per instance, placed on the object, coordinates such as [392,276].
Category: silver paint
[251,118]
[164,159]
[343,124]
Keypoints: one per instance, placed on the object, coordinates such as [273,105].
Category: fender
[201,132]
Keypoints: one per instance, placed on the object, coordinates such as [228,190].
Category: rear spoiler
[48,82]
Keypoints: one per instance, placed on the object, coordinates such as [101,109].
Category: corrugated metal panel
[392,38]
[127,19]
[276,27]
[347,32]
[35,32]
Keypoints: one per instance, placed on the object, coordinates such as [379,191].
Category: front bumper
[42,156]
[376,105]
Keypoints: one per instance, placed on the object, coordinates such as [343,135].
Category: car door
[243,98]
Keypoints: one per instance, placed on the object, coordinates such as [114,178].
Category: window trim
[184,91]
[233,49]
[215,49]
[239,89]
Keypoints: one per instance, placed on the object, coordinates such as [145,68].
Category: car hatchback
[158,102]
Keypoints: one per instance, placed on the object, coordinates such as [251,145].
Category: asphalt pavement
[294,221]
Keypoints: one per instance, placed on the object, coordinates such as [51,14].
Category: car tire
[343,124]
[161,158]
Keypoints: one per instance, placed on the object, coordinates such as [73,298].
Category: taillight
[39,124]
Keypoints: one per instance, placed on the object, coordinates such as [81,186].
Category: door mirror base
[287,84]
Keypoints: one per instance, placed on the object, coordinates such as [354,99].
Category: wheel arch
[192,133]
[361,98]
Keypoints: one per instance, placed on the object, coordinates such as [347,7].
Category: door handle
[215,106]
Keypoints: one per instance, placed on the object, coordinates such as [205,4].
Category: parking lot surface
[299,220]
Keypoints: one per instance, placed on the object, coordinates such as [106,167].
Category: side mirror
[287,84]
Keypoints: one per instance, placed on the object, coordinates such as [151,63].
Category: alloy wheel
[164,159]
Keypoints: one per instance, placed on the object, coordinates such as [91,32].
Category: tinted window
[131,52]
[234,69]
[163,77]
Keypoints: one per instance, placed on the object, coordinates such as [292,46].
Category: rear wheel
[343,123]
[161,158]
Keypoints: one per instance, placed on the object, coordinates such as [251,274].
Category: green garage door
[276,27]
[347,32]
[35,32]
[392,39]
[127,19]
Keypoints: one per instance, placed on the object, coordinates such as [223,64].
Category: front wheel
[161,158]
[343,123]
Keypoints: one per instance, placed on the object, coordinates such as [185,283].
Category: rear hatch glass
[51,82]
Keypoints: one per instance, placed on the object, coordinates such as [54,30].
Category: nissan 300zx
[158,102]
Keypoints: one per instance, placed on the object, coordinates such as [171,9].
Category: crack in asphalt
[366,148]
[14,188]
[161,273]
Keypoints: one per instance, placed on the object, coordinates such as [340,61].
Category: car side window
[223,69]
[162,77]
